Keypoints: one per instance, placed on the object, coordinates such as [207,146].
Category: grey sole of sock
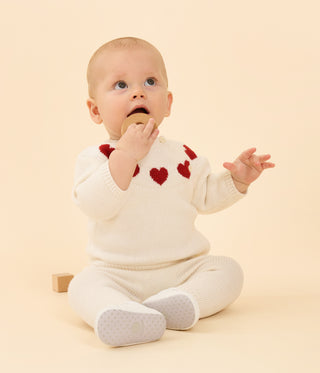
[123,328]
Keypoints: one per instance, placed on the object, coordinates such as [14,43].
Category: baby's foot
[128,324]
[180,308]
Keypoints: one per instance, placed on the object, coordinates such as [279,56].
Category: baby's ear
[170,99]
[94,111]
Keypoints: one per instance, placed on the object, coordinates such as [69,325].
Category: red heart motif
[190,153]
[136,171]
[183,169]
[106,149]
[159,176]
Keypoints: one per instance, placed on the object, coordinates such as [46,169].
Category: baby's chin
[114,135]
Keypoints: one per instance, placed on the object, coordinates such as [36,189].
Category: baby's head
[127,75]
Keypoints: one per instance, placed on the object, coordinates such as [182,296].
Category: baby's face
[129,79]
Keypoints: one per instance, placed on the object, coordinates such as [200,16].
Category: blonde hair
[120,43]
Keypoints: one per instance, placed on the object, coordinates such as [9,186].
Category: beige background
[243,73]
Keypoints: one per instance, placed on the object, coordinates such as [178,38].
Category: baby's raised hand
[247,168]
[138,139]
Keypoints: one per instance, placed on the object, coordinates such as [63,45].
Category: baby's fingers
[148,128]
[266,165]
[244,156]
[264,157]
[229,166]
[255,163]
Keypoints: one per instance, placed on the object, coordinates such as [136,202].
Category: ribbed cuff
[110,183]
[232,189]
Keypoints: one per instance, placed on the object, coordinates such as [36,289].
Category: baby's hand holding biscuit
[138,139]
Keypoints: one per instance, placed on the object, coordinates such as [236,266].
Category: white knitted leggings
[214,281]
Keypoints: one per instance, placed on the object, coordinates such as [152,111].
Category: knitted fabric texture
[152,222]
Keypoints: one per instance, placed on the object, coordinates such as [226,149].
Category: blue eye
[121,85]
[150,82]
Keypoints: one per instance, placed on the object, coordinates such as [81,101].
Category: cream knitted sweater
[152,222]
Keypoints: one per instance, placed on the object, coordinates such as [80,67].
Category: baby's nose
[138,93]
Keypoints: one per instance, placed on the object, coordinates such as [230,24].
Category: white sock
[180,308]
[129,323]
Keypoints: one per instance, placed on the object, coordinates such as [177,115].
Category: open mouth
[139,110]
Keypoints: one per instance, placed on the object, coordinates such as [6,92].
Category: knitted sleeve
[95,191]
[213,192]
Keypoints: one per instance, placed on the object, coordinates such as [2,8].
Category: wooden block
[138,118]
[60,281]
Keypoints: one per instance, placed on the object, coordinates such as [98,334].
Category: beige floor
[40,333]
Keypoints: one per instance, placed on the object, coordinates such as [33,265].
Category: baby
[150,268]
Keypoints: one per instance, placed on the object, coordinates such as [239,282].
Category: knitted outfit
[143,240]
